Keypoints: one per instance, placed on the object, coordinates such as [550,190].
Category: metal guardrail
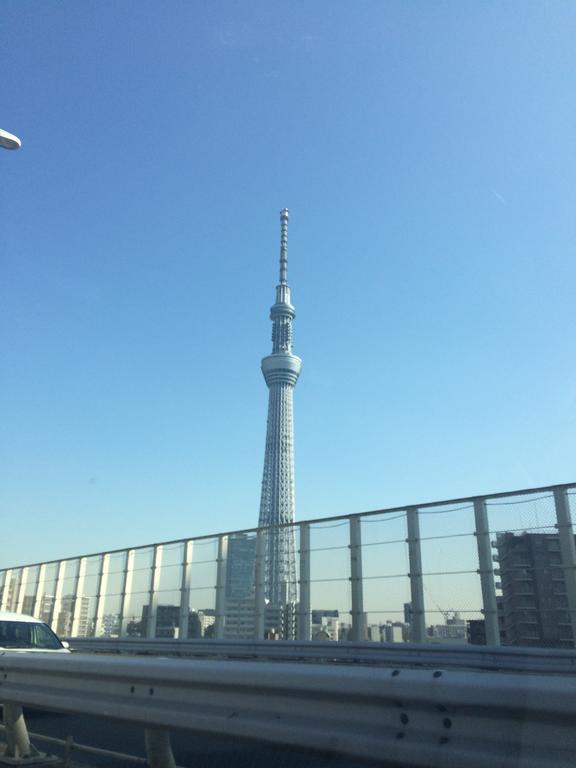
[424,718]
[478,658]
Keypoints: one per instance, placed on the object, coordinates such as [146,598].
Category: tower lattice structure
[281,370]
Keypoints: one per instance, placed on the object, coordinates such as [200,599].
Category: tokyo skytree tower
[281,370]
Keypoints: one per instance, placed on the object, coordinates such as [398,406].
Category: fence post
[101,591]
[59,587]
[126,588]
[17,589]
[78,601]
[4,606]
[185,590]
[418,616]
[486,571]
[153,591]
[567,551]
[220,603]
[358,618]
[259,585]
[40,582]
[304,617]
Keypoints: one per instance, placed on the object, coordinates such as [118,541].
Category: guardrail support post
[358,618]
[567,551]
[153,591]
[304,623]
[259,585]
[185,590]
[418,617]
[17,740]
[220,603]
[158,748]
[486,572]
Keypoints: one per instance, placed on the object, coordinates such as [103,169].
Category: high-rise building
[281,370]
[65,619]
[534,596]
[239,587]
[240,567]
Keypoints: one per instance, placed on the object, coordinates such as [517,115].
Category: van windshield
[23,634]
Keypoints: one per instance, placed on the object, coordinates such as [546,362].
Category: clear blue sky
[426,151]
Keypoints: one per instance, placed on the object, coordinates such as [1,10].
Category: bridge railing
[499,568]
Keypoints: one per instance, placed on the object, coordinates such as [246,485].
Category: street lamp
[9,141]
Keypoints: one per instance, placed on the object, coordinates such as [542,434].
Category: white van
[25,633]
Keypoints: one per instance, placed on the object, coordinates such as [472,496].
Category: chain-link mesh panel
[385,569]
[64,614]
[46,595]
[111,592]
[330,598]
[169,586]
[28,595]
[138,594]
[203,577]
[452,591]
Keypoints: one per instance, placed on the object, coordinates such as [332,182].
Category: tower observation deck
[281,370]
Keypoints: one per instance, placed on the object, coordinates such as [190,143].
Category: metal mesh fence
[489,569]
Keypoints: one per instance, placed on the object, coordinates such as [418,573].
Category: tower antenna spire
[284,216]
